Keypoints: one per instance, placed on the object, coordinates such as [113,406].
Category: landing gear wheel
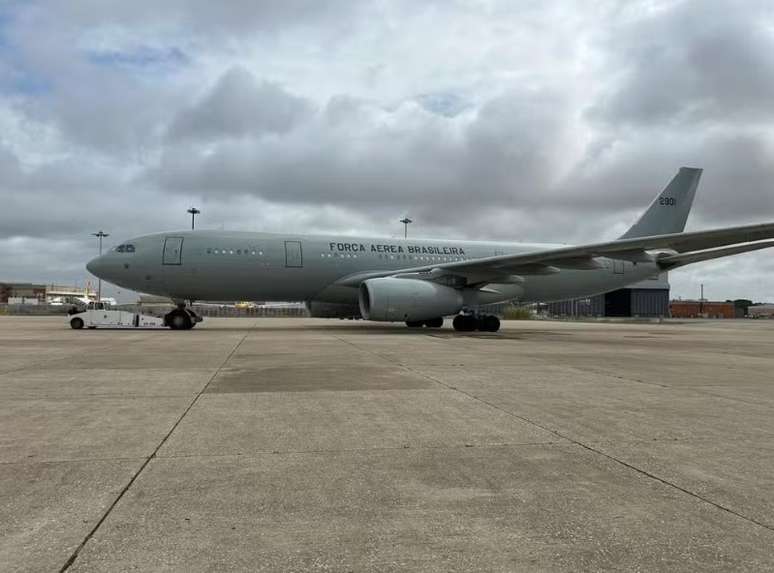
[489,323]
[178,320]
[76,323]
[465,323]
[414,323]
[434,322]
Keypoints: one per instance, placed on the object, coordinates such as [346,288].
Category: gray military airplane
[415,281]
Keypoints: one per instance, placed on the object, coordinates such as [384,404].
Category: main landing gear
[181,318]
[430,323]
[472,322]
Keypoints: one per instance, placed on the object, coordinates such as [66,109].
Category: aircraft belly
[219,282]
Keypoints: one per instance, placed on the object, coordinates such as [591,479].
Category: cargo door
[294,257]
[173,251]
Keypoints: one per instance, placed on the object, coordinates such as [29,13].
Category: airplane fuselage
[220,265]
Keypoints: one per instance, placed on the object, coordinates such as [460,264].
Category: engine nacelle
[395,300]
[320,309]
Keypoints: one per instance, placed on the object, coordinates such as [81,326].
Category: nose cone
[96,266]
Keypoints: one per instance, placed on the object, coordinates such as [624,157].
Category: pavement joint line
[732,398]
[625,464]
[617,460]
[60,397]
[587,447]
[30,461]
[147,461]
[695,389]
[261,453]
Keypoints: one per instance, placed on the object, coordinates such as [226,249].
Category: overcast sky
[515,120]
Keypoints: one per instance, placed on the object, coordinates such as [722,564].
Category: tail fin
[669,211]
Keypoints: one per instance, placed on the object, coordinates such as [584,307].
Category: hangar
[648,298]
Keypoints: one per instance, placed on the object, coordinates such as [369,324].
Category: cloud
[239,106]
[358,153]
[701,61]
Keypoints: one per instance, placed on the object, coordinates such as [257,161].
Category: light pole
[193,211]
[405,221]
[701,300]
[101,235]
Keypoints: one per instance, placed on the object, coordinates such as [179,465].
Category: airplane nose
[96,266]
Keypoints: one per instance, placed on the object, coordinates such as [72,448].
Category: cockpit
[125,248]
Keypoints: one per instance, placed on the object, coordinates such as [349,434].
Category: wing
[509,268]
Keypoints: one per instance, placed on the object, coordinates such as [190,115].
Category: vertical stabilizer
[669,211]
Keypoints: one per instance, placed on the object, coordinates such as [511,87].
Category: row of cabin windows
[395,257]
[127,248]
[251,252]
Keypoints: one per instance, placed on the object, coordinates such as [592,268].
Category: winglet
[669,211]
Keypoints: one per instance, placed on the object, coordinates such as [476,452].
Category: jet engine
[395,300]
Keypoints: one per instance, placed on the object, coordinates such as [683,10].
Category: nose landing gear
[473,322]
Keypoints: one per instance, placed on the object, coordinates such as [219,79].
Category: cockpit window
[120,248]
[128,248]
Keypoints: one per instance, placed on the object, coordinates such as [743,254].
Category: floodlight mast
[100,235]
[405,221]
[193,211]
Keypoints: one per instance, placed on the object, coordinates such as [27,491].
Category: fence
[34,309]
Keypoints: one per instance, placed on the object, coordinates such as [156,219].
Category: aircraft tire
[76,323]
[414,323]
[489,323]
[434,322]
[465,323]
[178,320]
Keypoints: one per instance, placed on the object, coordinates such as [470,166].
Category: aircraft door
[618,267]
[294,257]
[173,251]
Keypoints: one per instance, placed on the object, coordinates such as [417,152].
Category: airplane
[416,281]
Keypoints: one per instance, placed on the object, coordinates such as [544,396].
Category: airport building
[649,299]
[761,311]
[704,309]
[32,293]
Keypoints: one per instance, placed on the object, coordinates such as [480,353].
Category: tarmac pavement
[302,445]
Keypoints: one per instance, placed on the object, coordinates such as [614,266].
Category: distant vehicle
[78,300]
[99,315]
[416,281]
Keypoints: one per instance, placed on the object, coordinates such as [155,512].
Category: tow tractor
[99,315]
